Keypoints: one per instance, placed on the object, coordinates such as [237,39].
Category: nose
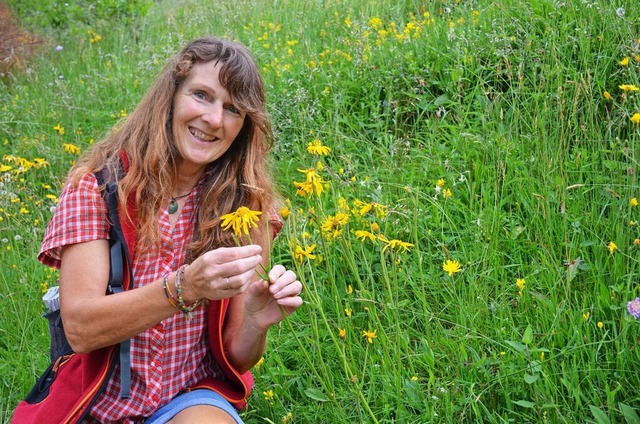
[213,115]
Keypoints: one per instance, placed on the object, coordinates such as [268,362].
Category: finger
[290,290]
[223,255]
[276,272]
[286,278]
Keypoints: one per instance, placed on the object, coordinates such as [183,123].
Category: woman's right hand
[221,273]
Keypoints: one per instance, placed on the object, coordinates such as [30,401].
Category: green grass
[503,101]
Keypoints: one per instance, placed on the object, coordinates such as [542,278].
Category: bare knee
[202,414]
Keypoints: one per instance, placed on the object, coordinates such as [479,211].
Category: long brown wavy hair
[239,178]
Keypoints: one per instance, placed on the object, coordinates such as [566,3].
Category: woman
[195,149]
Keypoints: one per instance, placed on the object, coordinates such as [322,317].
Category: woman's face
[205,122]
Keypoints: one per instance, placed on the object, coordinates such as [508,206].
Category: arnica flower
[634,308]
[301,253]
[333,225]
[365,235]
[315,147]
[284,212]
[612,247]
[451,267]
[71,148]
[633,202]
[241,220]
[629,87]
[625,61]
[370,335]
[59,129]
[313,183]
[268,395]
[636,118]
[395,244]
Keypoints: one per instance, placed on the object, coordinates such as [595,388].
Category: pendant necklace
[172,207]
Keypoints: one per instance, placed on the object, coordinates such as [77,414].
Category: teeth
[202,136]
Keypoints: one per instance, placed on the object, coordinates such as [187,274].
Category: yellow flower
[349,289]
[451,267]
[607,95]
[629,87]
[240,220]
[625,61]
[59,129]
[95,37]
[612,247]
[301,253]
[634,202]
[71,148]
[636,118]
[287,418]
[363,235]
[600,324]
[5,168]
[370,335]
[446,193]
[636,242]
[520,282]
[332,226]
[285,212]
[268,395]
[347,311]
[313,183]
[395,244]
[440,183]
[259,363]
[586,315]
[315,147]
[342,333]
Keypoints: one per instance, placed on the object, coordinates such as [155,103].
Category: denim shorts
[192,398]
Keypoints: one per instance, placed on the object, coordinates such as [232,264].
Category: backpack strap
[120,260]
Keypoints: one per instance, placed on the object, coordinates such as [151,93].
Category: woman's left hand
[268,303]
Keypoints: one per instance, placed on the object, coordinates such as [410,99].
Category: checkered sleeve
[80,216]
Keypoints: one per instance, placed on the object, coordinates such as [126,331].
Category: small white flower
[5,240]
[17,237]
[620,12]
[59,48]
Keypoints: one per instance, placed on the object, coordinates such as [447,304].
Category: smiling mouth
[202,136]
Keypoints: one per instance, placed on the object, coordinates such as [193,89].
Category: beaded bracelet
[186,310]
[167,292]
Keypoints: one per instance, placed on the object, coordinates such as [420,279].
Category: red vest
[71,385]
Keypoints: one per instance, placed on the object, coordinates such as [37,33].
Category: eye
[234,110]
[200,95]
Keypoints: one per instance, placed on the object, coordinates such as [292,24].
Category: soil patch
[16,43]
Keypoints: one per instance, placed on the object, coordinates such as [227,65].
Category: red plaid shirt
[165,359]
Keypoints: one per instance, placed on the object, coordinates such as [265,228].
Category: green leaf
[599,415]
[316,394]
[525,403]
[531,378]
[630,415]
[517,346]
[527,338]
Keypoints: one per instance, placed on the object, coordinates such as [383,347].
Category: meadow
[460,188]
